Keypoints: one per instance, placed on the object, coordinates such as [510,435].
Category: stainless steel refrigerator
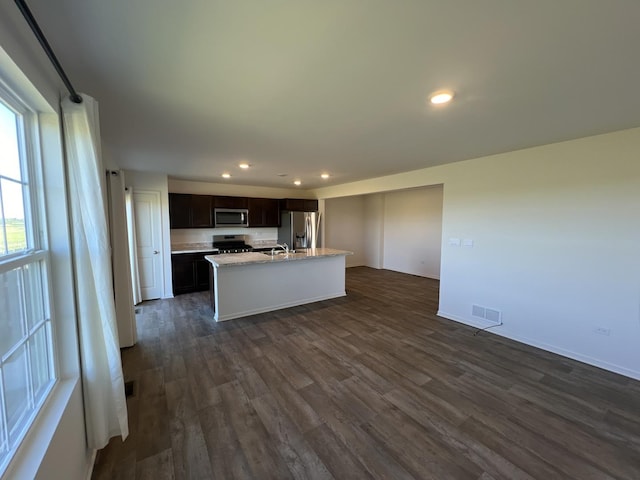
[299,230]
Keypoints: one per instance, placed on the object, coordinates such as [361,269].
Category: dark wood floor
[372,385]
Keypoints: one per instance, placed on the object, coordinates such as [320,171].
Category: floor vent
[494,316]
[128,389]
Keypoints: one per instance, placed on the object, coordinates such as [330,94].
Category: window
[27,360]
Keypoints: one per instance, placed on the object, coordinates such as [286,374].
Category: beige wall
[209,188]
[413,231]
[398,231]
[344,227]
[374,230]
[555,236]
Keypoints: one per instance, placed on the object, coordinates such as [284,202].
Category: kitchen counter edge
[249,258]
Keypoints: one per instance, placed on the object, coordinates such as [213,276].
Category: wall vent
[128,389]
[490,314]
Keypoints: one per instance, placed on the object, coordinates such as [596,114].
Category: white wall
[156,182]
[344,227]
[413,231]
[556,234]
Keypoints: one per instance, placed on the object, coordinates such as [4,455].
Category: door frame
[161,248]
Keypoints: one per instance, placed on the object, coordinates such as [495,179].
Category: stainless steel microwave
[230,217]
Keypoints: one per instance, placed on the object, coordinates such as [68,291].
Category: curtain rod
[28,16]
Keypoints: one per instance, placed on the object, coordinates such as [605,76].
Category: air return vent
[489,314]
[478,311]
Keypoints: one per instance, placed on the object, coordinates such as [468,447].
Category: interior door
[148,243]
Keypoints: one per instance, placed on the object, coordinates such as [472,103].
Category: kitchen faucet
[284,247]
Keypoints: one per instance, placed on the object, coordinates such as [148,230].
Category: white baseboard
[504,332]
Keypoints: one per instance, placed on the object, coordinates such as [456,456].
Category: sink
[278,252]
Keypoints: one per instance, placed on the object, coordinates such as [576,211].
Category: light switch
[467,242]
[454,242]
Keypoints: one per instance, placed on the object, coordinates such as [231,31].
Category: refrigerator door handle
[309,231]
[317,232]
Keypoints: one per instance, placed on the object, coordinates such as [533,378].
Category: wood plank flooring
[372,385]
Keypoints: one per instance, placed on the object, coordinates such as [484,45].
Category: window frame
[36,252]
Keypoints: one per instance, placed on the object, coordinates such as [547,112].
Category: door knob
[155,252]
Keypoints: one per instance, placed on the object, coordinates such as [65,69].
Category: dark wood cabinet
[189,272]
[201,211]
[299,205]
[202,275]
[264,212]
[230,202]
[182,274]
[190,211]
[179,210]
[197,211]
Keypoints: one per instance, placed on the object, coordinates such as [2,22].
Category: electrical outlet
[602,331]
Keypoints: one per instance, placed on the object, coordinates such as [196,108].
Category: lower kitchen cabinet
[202,275]
[189,272]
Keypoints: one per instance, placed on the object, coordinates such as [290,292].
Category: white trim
[8,263]
[504,332]
[29,455]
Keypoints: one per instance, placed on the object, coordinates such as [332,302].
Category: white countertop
[192,248]
[248,258]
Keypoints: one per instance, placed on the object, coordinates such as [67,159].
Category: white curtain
[102,379]
[133,246]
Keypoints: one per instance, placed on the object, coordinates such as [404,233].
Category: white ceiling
[191,87]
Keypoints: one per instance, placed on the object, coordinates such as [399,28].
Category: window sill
[31,452]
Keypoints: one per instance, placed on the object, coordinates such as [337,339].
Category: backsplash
[205,235]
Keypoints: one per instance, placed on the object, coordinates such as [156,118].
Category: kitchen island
[249,283]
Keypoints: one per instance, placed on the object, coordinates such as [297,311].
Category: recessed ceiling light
[443,96]
[244,165]
[226,175]
[297,182]
[325,175]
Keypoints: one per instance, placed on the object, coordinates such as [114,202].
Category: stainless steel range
[231,243]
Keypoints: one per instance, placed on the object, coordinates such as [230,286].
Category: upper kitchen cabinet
[190,211]
[196,211]
[230,202]
[299,205]
[201,211]
[179,210]
[264,212]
